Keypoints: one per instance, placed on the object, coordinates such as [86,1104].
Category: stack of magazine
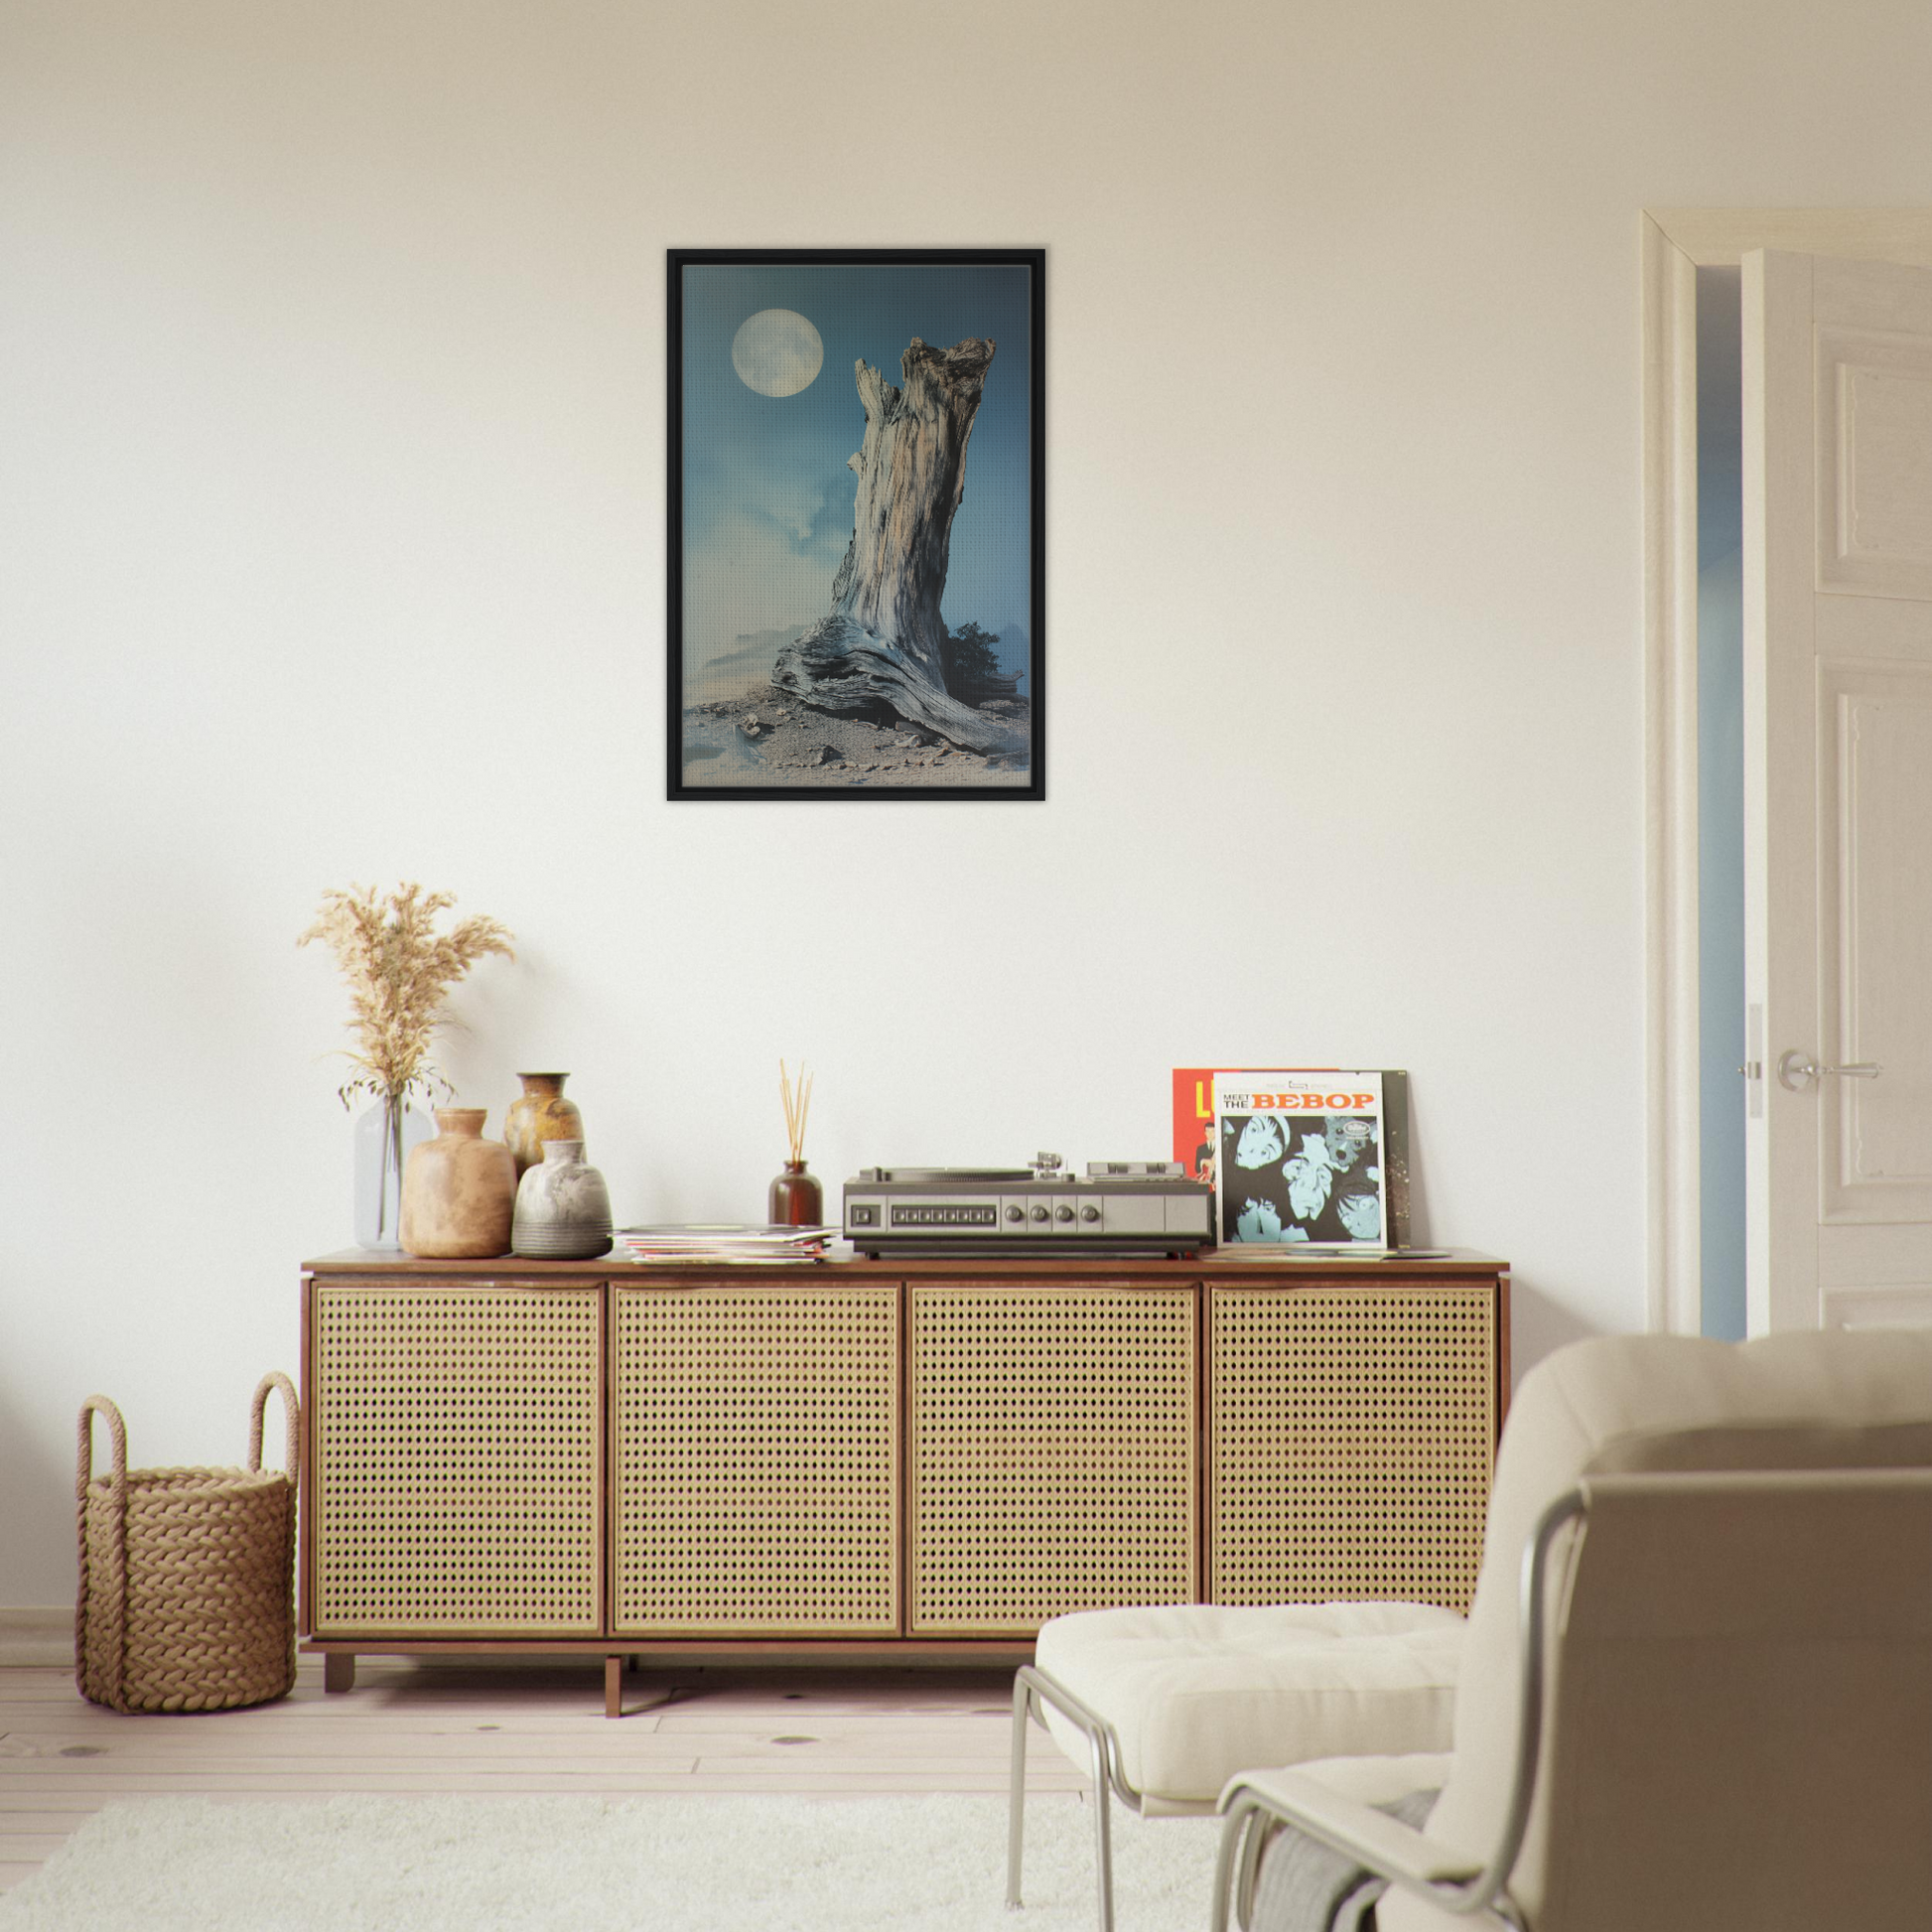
[732,1241]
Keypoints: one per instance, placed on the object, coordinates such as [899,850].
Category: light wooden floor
[509,1729]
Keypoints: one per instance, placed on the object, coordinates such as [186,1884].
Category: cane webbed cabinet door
[456,1458]
[1052,1440]
[755,1454]
[1352,1436]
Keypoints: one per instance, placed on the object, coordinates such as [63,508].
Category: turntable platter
[937,1174]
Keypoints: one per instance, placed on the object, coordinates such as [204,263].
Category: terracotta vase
[539,1114]
[563,1208]
[796,1199]
[459,1190]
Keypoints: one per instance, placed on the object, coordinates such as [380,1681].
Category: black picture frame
[869,701]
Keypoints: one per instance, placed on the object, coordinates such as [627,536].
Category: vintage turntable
[1126,1207]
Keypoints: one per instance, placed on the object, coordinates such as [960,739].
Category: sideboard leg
[339,1670]
[614,1687]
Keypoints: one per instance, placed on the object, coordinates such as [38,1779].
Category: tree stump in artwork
[884,641]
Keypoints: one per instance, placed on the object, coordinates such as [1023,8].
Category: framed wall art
[857,525]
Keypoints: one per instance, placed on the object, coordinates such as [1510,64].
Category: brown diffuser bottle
[796,1199]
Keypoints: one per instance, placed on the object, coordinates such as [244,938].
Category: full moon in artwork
[778,353]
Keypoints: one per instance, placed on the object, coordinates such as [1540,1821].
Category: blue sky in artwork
[768,493]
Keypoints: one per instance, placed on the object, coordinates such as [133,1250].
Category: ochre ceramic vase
[796,1199]
[563,1208]
[541,1114]
[459,1190]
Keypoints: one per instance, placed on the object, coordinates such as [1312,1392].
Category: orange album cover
[1194,1112]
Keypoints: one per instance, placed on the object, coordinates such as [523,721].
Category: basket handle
[118,1433]
[291,1410]
[110,1648]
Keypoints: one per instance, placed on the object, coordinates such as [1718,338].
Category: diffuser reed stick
[798,1104]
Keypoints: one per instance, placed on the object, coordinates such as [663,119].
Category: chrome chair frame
[1032,1689]
[1253,1816]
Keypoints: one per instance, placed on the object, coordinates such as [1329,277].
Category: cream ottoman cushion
[1197,1691]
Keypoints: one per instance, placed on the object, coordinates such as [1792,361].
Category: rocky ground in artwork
[804,746]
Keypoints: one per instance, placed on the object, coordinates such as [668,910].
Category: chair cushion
[1197,1692]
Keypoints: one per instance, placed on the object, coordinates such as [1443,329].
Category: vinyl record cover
[1272,1220]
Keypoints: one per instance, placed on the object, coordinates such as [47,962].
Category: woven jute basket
[187,1575]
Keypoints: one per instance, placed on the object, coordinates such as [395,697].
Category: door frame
[1676,242]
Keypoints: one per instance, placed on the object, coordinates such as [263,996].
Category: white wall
[331,372]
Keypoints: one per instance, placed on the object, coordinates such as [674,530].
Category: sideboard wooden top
[1220,1265]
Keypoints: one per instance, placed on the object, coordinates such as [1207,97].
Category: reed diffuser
[796,1200]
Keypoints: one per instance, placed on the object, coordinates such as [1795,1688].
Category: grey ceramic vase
[563,1208]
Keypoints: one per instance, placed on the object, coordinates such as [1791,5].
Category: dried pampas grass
[398,969]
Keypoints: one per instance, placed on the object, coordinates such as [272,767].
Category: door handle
[1797,1070]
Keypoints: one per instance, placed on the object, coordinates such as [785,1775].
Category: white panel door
[1838,777]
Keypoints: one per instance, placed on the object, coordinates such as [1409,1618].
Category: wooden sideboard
[883,1460]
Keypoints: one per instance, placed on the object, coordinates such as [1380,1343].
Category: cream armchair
[1695,1692]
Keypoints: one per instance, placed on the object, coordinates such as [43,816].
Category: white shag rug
[754,1863]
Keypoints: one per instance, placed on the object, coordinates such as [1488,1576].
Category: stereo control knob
[1090,1213]
[1016,1212]
[1063,1213]
[1040,1215]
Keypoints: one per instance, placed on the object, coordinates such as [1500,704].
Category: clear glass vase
[384,1134]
